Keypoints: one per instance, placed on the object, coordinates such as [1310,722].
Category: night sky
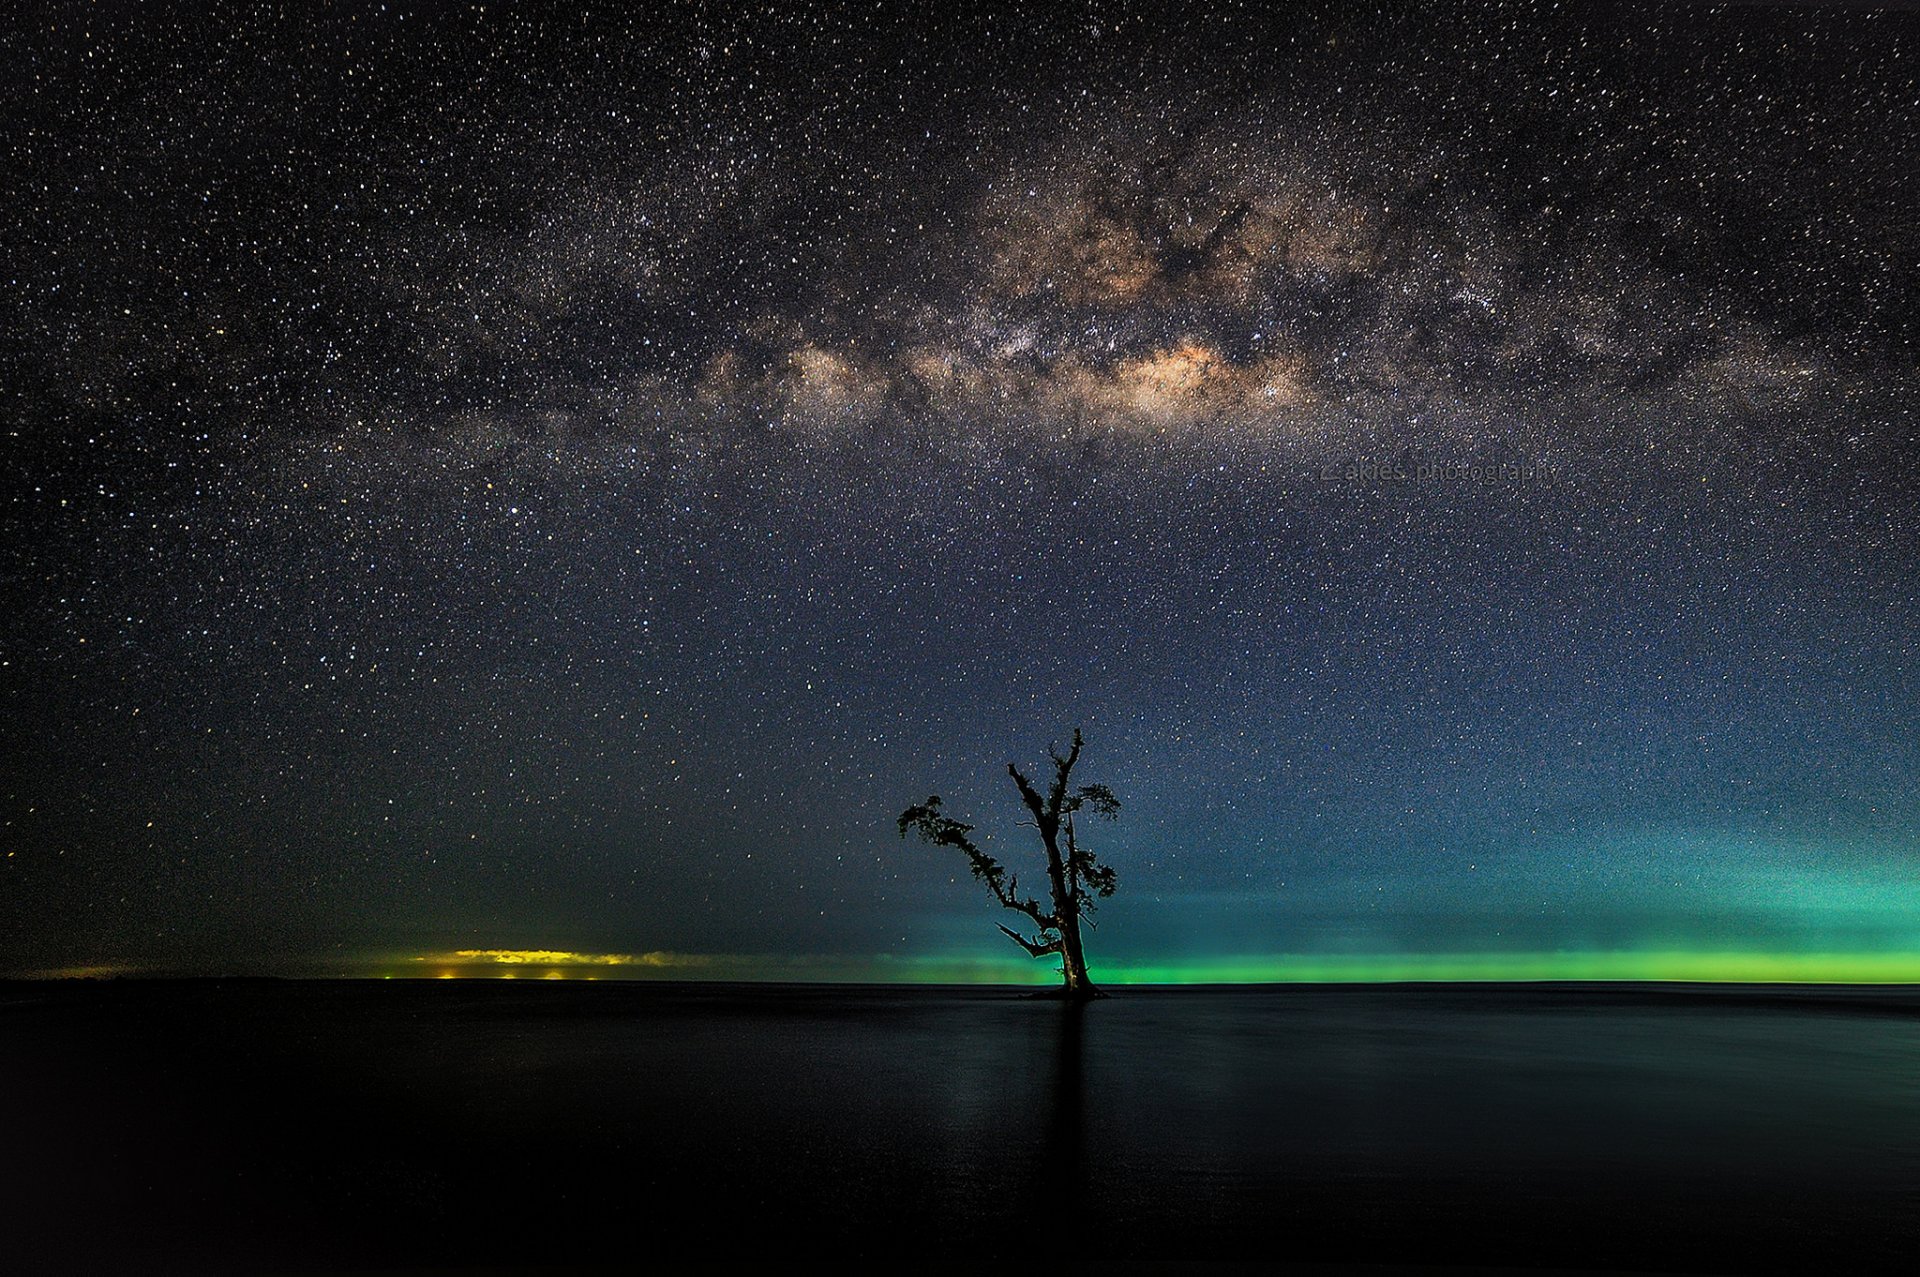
[478,481]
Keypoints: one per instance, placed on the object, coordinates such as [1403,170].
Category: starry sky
[482,482]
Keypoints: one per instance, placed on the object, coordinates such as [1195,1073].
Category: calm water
[244,1123]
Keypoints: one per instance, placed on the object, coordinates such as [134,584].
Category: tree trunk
[1073,960]
[1060,873]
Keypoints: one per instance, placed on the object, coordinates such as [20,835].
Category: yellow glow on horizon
[558,964]
[553,958]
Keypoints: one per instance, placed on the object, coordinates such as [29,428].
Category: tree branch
[1031,797]
[1098,797]
[1062,767]
[1031,907]
[1073,862]
[927,820]
[1037,948]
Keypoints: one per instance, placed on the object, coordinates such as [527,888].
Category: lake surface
[244,1124]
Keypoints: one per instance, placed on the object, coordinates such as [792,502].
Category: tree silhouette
[1075,877]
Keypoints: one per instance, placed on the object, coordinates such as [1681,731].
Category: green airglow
[1677,965]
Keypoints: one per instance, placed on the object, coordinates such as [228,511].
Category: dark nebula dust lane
[491,483]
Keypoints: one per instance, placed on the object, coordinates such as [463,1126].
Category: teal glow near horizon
[1698,906]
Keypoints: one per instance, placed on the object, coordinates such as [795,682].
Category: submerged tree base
[1060,993]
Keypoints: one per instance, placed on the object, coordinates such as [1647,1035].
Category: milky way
[482,483]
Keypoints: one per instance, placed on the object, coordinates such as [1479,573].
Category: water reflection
[1530,1126]
[1063,1155]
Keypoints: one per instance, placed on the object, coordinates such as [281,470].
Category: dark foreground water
[240,1125]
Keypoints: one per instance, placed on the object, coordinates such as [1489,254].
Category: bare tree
[1075,877]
